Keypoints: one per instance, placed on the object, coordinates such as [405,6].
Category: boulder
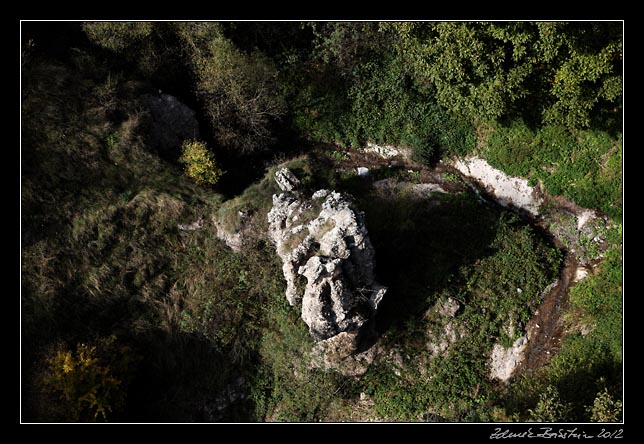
[172,122]
[286,180]
[504,361]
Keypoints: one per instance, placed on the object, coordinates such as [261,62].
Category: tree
[239,94]
[568,72]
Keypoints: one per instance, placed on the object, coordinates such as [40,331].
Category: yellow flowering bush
[199,163]
[88,387]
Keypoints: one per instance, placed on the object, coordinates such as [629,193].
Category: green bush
[550,407]
[605,408]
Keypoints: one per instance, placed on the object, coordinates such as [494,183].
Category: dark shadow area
[420,247]
[183,378]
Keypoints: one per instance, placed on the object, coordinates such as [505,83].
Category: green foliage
[550,408]
[117,36]
[199,162]
[356,89]
[588,369]
[585,166]
[546,102]
[476,254]
[605,408]
[556,73]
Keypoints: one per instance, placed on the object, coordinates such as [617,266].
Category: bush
[605,408]
[199,163]
[90,381]
[550,407]
[117,36]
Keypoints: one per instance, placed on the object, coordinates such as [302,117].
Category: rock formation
[504,361]
[323,241]
[172,122]
[508,191]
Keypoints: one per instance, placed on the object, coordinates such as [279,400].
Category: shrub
[550,407]
[605,408]
[199,163]
[88,386]
[117,36]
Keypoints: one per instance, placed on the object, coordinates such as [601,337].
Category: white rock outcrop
[504,361]
[507,190]
[323,240]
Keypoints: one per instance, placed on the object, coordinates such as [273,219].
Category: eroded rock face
[286,180]
[328,260]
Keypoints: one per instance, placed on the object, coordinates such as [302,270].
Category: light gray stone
[286,180]
[324,241]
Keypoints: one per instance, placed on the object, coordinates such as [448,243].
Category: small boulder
[286,180]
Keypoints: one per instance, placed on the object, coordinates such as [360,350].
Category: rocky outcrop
[507,190]
[328,259]
[504,361]
[172,122]
[388,151]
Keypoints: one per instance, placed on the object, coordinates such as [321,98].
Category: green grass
[103,258]
[102,254]
[476,254]
[583,165]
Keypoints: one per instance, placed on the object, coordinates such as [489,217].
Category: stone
[388,151]
[324,241]
[508,190]
[584,217]
[503,361]
[172,122]
[448,307]
[196,225]
[363,172]
[580,274]
[286,180]
[440,342]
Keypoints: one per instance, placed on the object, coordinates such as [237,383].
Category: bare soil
[546,329]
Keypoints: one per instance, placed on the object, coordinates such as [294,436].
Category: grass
[587,372]
[102,255]
[477,254]
[583,165]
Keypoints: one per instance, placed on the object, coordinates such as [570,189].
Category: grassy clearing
[102,255]
[476,254]
[103,258]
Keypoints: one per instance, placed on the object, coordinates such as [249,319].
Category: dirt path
[546,328]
